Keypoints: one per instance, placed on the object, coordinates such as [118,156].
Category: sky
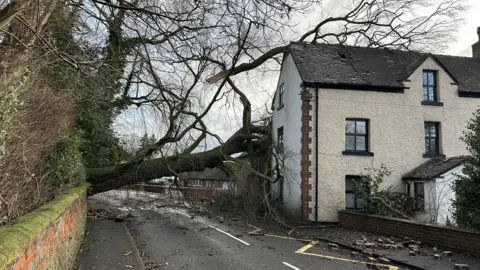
[223,120]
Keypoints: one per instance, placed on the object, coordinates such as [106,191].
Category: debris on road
[462,266]
[332,247]
[448,253]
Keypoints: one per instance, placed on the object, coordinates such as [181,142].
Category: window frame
[415,196]
[426,85]
[366,135]
[357,179]
[280,143]
[195,181]
[216,186]
[430,137]
[281,97]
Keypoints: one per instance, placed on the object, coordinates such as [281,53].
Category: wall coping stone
[14,238]
[413,222]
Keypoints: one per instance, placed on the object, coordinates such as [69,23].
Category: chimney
[476,46]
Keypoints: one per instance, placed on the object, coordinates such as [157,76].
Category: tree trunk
[104,179]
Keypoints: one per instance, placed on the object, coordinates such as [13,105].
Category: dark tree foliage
[467,186]
[93,97]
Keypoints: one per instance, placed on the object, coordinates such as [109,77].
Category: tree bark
[10,11]
[104,179]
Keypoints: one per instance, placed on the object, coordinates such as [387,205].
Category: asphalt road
[173,240]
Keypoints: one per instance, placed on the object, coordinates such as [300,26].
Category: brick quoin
[305,153]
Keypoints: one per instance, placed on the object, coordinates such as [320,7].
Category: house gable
[287,61]
[432,63]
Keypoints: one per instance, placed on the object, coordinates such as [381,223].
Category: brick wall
[453,238]
[306,152]
[47,238]
[197,191]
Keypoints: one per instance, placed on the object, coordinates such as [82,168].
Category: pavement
[107,245]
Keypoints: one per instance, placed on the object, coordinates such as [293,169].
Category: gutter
[359,87]
[316,154]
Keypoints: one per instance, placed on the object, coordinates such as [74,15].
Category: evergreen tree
[467,186]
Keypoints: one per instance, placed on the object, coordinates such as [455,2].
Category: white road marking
[291,266]
[226,233]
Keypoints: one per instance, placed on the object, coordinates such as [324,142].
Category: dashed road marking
[213,227]
[291,266]
[226,233]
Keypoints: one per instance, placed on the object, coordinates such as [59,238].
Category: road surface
[171,239]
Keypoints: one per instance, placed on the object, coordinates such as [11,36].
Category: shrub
[385,202]
[65,166]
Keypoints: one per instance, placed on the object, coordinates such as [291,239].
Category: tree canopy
[179,59]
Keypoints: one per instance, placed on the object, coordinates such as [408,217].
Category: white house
[340,109]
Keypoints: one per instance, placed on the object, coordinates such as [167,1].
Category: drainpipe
[316,154]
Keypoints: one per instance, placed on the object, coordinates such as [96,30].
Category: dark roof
[230,171]
[328,64]
[433,168]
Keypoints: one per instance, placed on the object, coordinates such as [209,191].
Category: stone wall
[453,238]
[47,238]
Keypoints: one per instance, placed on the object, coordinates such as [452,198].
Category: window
[218,184]
[431,138]
[429,86]
[280,138]
[280,96]
[352,199]
[356,135]
[197,183]
[419,197]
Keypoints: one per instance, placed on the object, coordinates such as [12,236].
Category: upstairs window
[280,96]
[429,86]
[280,138]
[431,138]
[356,135]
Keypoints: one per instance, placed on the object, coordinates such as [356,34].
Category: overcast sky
[225,120]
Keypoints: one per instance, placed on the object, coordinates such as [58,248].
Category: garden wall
[454,238]
[47,238]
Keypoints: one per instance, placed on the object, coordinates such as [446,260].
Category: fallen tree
[104,179]
[179,50]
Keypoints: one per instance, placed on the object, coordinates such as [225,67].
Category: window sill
[280,107]
[432,103]
[357,153]
[433,156]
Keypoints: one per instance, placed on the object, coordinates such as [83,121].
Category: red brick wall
[55,247]
[305,153]
[453,238]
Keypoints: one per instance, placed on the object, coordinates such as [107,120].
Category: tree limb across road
[179,59]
